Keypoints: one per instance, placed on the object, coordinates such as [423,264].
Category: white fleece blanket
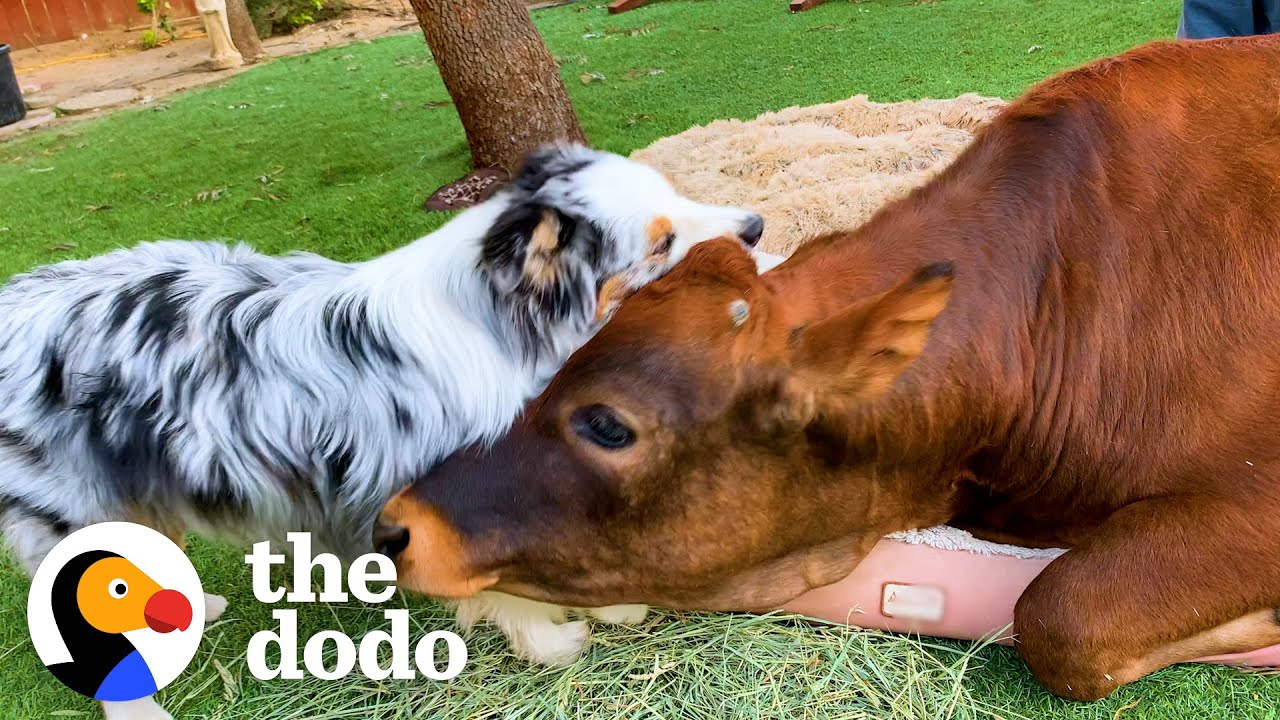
[946,537]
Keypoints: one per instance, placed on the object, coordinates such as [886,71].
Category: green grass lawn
[334,152]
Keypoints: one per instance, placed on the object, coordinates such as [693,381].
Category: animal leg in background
[29,535]
[1162,581]
[224,54]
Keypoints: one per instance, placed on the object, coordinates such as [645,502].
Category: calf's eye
[597,424]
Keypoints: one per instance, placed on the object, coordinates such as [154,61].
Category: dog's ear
[523,247]
[612,292]
[551,160]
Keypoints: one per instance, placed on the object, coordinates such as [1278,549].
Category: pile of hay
[811,170]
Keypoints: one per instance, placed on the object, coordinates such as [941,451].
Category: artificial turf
[334,152]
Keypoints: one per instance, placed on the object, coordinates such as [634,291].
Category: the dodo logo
[116,611]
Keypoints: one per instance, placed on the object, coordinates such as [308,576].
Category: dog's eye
[118,588]
[663,246]
[598,424]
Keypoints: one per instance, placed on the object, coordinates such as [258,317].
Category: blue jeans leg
[1228,18]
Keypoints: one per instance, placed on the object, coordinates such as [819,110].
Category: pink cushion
[946,593]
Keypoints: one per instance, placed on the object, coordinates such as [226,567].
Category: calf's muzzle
[414,534]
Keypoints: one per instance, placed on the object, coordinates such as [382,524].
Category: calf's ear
[858,353]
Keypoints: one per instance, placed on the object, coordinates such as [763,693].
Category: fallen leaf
[631,32]
[211,195]
[272,175]
[657,670]
[636,73]
[588,78]
[1120,710]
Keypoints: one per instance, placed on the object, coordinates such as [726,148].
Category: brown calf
[1070,337]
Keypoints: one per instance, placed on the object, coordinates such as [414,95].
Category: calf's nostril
[752,230]
[390,540]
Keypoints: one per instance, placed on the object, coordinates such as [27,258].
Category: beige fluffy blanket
[811,170]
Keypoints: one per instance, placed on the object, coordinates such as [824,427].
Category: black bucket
[12,109]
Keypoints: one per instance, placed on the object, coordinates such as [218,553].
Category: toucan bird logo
[115,621]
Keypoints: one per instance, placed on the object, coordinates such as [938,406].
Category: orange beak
[167,610]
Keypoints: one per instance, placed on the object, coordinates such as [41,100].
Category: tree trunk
[503,81]
[243,34]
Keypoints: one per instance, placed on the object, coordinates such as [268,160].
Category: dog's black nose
[390,540]
[752,230]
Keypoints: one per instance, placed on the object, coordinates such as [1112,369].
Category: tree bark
[243,33]
[503,81]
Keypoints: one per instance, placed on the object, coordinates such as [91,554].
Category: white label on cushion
[913,602]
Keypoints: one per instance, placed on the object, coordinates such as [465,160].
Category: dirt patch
[114,60]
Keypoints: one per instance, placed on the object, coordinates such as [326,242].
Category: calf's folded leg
[1162,581]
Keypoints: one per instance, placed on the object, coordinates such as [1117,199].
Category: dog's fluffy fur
[195,386]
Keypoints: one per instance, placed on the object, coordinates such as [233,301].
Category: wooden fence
[24,23]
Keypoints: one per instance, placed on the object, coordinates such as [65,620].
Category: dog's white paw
[214,606]
[620,614]
[141,709]
[536,630]
[555,644]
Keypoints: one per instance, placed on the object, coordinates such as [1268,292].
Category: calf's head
[692,454]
